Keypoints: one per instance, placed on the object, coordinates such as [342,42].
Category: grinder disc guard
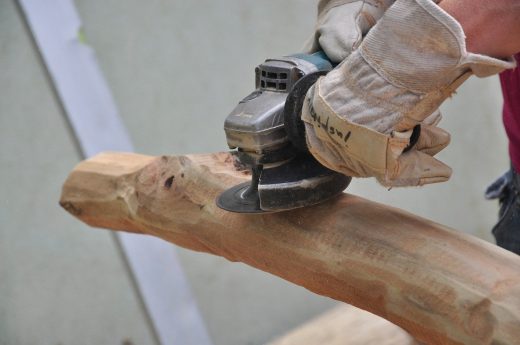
[300,182]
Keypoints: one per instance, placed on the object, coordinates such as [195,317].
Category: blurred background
[175,69]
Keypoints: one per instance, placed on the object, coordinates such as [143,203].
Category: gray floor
[175,69]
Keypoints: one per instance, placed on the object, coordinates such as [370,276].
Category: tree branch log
[441,286]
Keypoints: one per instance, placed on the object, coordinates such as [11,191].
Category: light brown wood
[441,286]
[346,325]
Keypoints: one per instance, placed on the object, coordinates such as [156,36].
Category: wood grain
[441,286]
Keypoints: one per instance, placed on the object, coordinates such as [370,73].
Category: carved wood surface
[440,285]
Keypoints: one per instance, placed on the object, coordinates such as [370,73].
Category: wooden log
[346,325]
[441,286]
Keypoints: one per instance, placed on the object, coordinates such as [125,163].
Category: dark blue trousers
[507,190]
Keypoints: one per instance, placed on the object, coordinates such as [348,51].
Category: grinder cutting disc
[236,199]
[242,198]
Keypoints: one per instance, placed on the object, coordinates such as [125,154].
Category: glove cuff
[356,150]
[420,47]
[362,146]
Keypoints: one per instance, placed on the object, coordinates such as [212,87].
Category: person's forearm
[492,27]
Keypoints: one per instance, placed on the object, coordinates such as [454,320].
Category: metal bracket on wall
[93,116]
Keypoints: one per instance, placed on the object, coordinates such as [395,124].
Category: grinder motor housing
[256,125]
[266,129]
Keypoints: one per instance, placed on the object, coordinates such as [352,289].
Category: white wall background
[176,68]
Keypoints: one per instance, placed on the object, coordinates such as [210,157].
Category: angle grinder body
[268,134]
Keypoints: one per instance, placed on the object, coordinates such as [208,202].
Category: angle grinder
[269,137]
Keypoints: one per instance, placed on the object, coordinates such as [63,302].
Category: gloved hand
[360,117]
[342,24]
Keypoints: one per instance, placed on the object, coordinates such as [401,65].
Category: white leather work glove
[342,24]
[340,29]
[359,118]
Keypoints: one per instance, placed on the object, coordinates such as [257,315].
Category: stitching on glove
[367,56]
[422,108]
[440,15]
[434,11]
[352,84]
[358,27]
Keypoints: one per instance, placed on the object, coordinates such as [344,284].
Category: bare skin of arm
[492,27]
